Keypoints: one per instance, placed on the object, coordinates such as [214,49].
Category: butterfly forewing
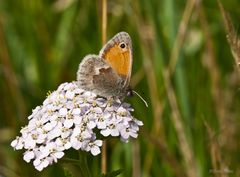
[108,74]
[118,54]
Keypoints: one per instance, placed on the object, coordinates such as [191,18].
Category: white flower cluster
[70,118]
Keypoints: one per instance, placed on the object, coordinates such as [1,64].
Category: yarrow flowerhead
[71,117]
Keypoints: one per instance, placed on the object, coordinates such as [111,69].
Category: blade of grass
[181,34]
[11,79]
[136,162]
[185,147]
[187,152]
[165,154]
[215,152]
[62,41]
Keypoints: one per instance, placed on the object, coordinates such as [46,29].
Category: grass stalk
[181,34]
[232,38]
[185,147]
[104,37]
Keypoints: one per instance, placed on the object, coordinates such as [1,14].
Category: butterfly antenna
[140,97]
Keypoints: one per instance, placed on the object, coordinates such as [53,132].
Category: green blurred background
[183,67]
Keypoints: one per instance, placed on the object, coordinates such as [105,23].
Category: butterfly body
[108,74]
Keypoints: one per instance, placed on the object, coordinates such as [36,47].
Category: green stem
[70,160]
[84,165]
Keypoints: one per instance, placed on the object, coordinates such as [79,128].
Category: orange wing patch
[119,59]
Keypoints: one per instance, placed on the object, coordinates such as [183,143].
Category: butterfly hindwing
[96,75]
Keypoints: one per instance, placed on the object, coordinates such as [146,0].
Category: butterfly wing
[118,54]
[95,74]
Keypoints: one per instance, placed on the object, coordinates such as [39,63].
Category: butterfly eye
[122,45]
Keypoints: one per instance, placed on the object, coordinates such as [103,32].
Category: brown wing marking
[107,81]
[89,67]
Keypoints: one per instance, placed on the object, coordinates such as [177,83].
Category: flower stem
[83,165]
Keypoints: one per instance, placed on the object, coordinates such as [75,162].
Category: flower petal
[95,150]
[28,156]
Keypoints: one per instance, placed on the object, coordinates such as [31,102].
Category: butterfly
[108,74]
